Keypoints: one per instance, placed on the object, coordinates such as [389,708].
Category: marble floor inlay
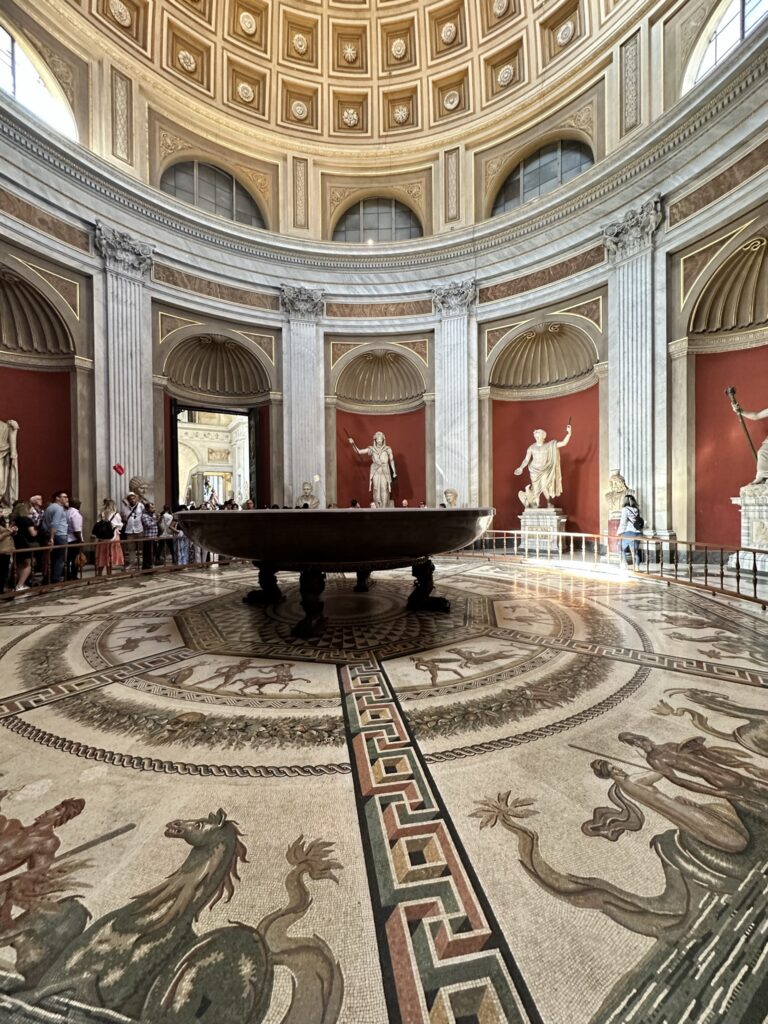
[548,806]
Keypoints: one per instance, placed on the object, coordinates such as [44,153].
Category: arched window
[20,78]
[377,220]
[548,167]
[211,189]
[732,21]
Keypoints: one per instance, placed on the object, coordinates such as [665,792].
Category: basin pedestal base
[311,587]
[421,599]
[364,582]
[270,593]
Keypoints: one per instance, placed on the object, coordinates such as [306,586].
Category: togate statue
[307,497]
[760,454]
[383,470]
[543,461]
[9,464]
[617,491]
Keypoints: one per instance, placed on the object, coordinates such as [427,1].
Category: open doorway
[214,455]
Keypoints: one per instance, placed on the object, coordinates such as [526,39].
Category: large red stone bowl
[339,539]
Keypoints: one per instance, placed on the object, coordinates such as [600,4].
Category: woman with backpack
[631,527]
[106,530]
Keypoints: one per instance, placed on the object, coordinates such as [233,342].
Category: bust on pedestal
[543,461]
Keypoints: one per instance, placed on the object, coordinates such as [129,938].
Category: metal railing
[53,566]
[717,568]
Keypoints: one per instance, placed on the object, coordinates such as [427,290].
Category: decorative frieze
[630,84]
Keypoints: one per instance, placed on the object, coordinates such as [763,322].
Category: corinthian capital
[122,251]
[635,230]
[302,303]
[454,299]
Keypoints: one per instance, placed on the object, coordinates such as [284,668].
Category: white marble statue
[9,464]
[543,461]
[307,497]
[617,491]
[451,496]
[383,470]
[761,473]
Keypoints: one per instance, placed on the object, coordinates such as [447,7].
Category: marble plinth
[753,503]
[542,530]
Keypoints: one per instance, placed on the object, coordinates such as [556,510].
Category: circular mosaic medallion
[245,92]
[300,110]
[300,43]
[187,61]
[248,23]
[350,53]
[505,75]
[401,113]
[120,13]
[448,32]
[565,33]
[451,99]
[399,49]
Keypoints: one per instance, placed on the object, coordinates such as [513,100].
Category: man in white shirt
[132,511]
[74,536]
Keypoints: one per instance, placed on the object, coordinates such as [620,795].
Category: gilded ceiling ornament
[245,92]
[505,75]
[448,32]
[120,13]
[350,117]
[451,99]
[300,110]
[350,53]
[399,49]
[187,61]
[247,23]
[300,43]
[500,7]
[565,33]
[401,113]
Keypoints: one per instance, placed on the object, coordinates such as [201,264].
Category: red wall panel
[724,462]
[513,426]
[405,436]
[40,403]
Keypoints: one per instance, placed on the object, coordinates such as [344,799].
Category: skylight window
[20,78]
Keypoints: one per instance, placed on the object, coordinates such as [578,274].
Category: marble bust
[451,496]
[307,497]
[617,491]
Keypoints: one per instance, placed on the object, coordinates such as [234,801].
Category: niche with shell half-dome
[541,374]
[381,385]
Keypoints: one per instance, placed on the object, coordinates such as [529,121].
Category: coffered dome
[353,70]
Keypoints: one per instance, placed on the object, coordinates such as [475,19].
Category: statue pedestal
[753,501]
[542,530]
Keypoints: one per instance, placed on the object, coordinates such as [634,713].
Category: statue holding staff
[383,470]
[543,461]
[761,454]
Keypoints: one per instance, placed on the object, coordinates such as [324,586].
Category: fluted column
[126,350]
[304,402]
[456,437]
[631,349]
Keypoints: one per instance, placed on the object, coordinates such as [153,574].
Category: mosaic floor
[549,806]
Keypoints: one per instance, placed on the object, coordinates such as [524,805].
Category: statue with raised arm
[761,455]
[543,461]
[383,470]
[9,464]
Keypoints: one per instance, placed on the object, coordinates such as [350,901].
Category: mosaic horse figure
[147,961]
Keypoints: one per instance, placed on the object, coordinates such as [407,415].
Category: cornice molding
[563,387]
[667,134]
[703,344]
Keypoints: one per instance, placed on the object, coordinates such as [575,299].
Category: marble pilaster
[485,445]
[631,354]
[304,409]
[126,355]
[456,423]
